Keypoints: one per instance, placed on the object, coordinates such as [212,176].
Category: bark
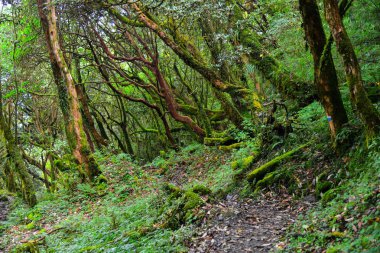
[196,63]
[106,77]
[99,140]
[172,105]
[325,77]
[123,125]
[368,113]
[28,190]
[65,83]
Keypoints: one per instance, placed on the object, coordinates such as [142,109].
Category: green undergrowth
[133,212]
[155,207]
[347,217]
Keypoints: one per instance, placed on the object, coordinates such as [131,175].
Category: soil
[247,225]
[3,209]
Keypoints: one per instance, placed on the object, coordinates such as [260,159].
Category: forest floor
[247,225]
[3,209]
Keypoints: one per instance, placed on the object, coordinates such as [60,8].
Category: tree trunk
[13,151]
[85,109]
[68,95]
[325,77]
[368,113]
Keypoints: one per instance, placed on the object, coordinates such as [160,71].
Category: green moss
[323,187]
[192,200]
[259,173]
[216,140]
[101,179]
[173,190]
[244,164]
[28,247]
[247,162]
[235,165]
[201,189]
[266,181]
[232,146]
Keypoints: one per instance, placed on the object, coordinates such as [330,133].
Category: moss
[216,140]
[329,195]
[181,205]
[259,173]
[244,164]
[247,162]
[192,200]
[201,189]
[266,181]
[232,146]
[323,187]
[28,247]
[101,179]
[172,189]
[235,165]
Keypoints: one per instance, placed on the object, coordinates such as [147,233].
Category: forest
[189,126]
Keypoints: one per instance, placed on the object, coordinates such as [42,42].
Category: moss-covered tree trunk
[368,113]
[14,153]
[99,140]
[325,77]
[67,93]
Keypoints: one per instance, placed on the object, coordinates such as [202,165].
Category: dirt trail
[246,225]
[3,209]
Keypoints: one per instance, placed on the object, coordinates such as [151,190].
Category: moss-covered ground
[155,207]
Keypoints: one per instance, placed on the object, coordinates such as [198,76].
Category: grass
[347,218]
[129,213]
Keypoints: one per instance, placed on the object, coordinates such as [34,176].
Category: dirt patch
[247,225]
[4,209]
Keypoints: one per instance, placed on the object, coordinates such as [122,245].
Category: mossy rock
[201,189]
[66,163]
[218,141]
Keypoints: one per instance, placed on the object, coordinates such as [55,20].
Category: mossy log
[232,146]
[259,173]
[218,141]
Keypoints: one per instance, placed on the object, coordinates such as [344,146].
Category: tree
[325,77]
[368,113]
[68,95]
